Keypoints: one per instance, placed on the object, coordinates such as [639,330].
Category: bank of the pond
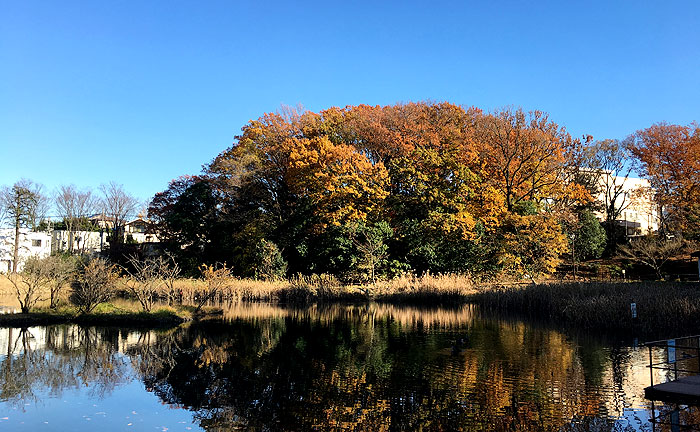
[660,306]
[105,315]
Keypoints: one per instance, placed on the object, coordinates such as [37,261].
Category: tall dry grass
[430,288]
[662,307]
[303,289]
[306,289]
[5,286]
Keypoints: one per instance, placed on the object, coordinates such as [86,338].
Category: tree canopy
[445,183]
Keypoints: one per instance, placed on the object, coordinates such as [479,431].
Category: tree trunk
[15,256]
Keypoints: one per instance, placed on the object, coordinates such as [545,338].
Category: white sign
[671,350]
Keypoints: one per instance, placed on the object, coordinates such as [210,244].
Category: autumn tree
[24,204]
[342,184]
[442,177]
[531,244]
[252,178]
[669,156]
[524,154]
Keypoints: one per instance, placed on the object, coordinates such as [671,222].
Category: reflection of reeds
[248,311]
[407,316]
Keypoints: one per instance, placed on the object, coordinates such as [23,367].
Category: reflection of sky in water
[371,367]
[636,418]
[127,407]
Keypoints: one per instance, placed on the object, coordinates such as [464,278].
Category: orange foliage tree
[342,184]
[524,154]
[669,156]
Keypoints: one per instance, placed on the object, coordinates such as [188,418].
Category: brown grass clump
[440,288]
[6,287]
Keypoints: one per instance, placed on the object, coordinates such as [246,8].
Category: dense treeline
[366,191]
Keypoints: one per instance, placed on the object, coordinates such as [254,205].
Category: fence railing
[682,355]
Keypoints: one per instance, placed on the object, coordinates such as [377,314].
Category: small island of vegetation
[429,203]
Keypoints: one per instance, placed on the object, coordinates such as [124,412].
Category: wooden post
[697,255]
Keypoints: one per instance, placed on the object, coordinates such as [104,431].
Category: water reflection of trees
[49,360]
[362,372]
[350,368]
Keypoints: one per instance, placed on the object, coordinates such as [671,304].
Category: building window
[36,243]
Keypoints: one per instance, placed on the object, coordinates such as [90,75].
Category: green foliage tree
[23,205]
[189,219]
[270,264]
[588,241]
[372,250]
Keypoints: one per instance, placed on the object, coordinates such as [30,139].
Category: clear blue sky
[141,92]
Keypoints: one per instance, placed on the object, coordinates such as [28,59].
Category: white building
[90,242]
[639,214]
[30,244]
[138,230]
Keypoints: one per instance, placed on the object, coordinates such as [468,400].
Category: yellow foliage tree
[532,244]
[342,183]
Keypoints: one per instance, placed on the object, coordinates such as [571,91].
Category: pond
[343,367]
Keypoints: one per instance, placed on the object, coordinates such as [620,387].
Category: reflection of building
[70,338]
[639,213]
[30,244]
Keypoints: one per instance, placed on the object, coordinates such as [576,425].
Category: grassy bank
[106,314]
[671,307]
[661,306]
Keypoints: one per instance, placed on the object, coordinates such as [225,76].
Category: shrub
[94,283]
[30,282]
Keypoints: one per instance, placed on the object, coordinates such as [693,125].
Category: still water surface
[369,367]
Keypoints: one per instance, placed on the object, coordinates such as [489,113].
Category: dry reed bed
[428,288]
[302,289]
[662,307]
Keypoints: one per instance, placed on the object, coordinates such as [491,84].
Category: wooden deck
[683,390]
